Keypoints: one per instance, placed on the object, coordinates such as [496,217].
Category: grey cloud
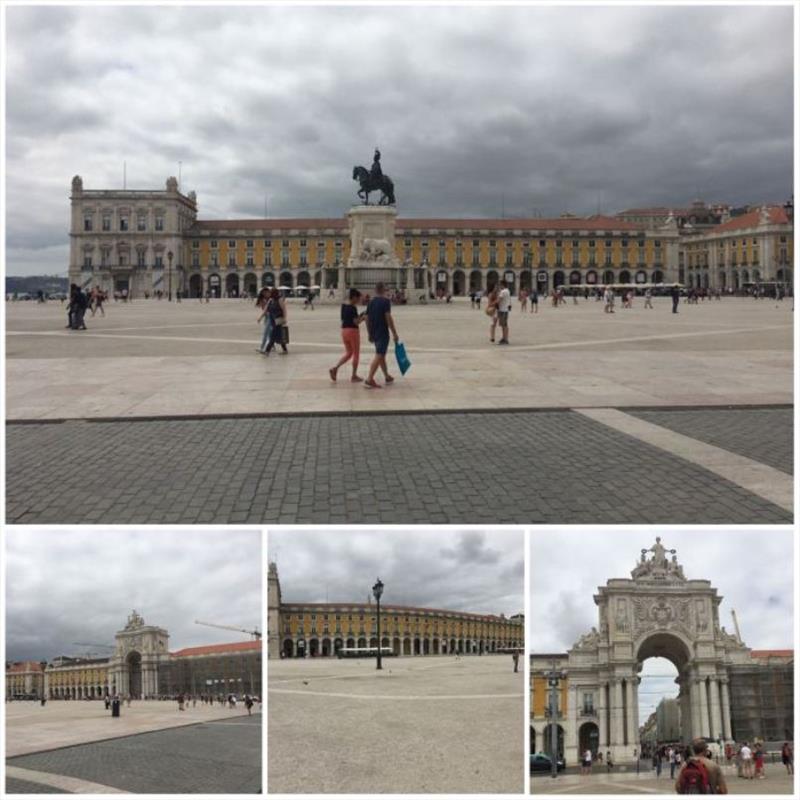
[72,586]
[537,110]
[480,572]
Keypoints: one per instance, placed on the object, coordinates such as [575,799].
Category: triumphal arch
[139,651]
[658,611]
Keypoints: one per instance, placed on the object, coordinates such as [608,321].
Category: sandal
[332,373]
[372,385]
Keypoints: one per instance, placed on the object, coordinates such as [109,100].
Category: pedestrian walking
[276,309]
[608,297]
[264,319]
[534,298]
[746,759]
[380,324]
[586,762]
[351,336]
[700,775]
[503,309]
[657,762]
[491,310]
[515,657]
[676,297]
[787,758]
[758,761]
[648,298]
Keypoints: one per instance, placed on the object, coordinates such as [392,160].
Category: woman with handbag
[491,310]
[276,310]
[261,303]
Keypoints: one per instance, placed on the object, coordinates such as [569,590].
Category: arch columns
[617,710]
[726,710]
[630,710]
[694,704]
[571,747]
[716,711]
[602,722]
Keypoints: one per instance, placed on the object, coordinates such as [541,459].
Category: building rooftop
[777,216]
[764,654]
[215,649]
[597,222]
[24,666]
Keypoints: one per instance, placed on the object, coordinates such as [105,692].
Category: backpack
[694,778]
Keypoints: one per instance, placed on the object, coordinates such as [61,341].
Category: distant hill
[31,284]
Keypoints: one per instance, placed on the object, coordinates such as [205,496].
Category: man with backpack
[700,775]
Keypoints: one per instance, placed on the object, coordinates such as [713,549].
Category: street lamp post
[169,260]
[377,590]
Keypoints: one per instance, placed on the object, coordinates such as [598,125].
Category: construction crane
[736,625]
[255,633]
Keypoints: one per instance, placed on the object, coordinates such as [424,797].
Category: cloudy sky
[478,111]
[478,571]
[752,570]
[79,586]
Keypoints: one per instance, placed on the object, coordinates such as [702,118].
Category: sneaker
[503,341]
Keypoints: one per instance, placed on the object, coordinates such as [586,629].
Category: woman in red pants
[351,336]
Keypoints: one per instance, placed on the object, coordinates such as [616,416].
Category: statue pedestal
[372,250]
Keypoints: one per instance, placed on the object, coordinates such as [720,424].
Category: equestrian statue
[374,180]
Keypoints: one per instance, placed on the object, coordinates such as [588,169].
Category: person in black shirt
[351,336]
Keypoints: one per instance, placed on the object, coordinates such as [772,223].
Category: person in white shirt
[746,757]
[586,765]
[503,307]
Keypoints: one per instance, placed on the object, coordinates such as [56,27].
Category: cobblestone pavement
[769,441]
[16,786]
[776,782]
[221,757]
[523,468]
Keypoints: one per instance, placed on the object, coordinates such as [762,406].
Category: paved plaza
[776,782]
[166,414]
[434,724]
[77,747]
[151,358]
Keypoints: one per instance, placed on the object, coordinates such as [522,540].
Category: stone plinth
[372,250]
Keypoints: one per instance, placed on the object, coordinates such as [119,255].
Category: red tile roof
[213,649]
[25,666]
[772,653]
[777,216]
[655,211]
[269,224]
[596,222]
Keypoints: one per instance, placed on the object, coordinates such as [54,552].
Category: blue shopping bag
[403,364]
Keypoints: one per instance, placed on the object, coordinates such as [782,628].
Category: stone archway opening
[547,739]
[663,660]
[134,663]
[588,738]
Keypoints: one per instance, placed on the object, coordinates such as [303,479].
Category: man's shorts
[382,345]
[502,318]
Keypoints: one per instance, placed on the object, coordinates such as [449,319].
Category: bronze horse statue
[368,183]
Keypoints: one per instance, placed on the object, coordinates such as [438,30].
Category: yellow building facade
[227,258]
[323,629]
[77,678]
[24,679]
[752,249]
